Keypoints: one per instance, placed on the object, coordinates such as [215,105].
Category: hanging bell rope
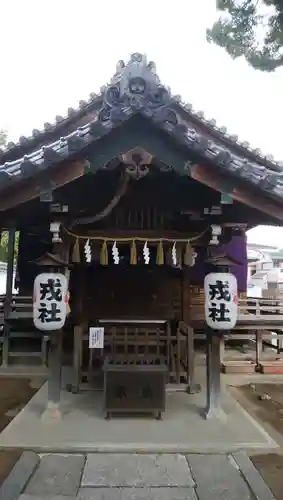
[104,254]
[122,189]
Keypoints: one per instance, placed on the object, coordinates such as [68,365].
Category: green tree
[5,235]
[4,246]
[3,137]
[252,29]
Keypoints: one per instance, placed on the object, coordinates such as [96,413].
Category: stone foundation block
[238,367]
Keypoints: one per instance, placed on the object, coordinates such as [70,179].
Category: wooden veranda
[259,320]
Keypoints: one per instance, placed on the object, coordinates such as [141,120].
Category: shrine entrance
[139,307]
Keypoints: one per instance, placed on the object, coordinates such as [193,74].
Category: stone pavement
[183,428]
[111,476]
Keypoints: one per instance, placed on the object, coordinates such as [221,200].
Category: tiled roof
[136,88]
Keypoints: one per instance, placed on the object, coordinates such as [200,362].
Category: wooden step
[23,354]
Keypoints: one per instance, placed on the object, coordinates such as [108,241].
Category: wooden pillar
[259,347]
[214,352]
[213,383]
[193,387]
[8,296]
[79,328]
[44,349]
[53,408]
[77,358]
[222,349]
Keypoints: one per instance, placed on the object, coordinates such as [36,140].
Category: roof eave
[50,132]
[72,146]
[136,88]
[231,141]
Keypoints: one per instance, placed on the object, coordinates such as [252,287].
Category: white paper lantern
[221,301]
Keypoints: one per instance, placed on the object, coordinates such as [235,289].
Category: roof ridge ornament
[135,85]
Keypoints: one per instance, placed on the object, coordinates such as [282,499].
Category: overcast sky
[56,52]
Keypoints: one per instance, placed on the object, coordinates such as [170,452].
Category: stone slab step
[56,475]
[238,366]
[274,366]
[22,471]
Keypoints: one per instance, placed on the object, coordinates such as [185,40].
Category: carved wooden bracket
[137,161]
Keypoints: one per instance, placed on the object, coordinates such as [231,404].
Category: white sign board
[96,338]
[220,300]
[50,301]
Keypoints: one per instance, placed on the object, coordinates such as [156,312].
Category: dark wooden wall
[132,292]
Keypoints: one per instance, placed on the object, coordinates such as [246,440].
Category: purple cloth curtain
[236,249]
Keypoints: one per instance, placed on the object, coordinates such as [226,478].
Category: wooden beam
[211,178]
[31,188]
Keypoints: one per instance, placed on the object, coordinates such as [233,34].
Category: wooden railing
[250,311]
[152,340]
[261,309]
[20,307]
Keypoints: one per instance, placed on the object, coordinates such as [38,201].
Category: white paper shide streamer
[174,254]
[115,253]
[146,253]
[87,250]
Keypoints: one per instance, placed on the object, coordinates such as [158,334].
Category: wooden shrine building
[136,197]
